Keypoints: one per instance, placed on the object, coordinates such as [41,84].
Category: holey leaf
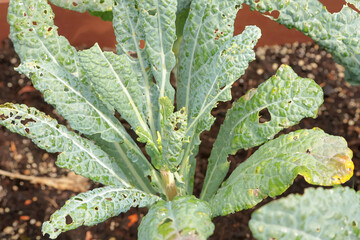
[208,26]
[204,66]
[320,158]
[74,100]
[77,154]
[338,33]
[118,82]
[174,125]
[318,214]
[159,27]
[128,27]
[85,5]
[95,206]
[183,218]
[213,83]
[53,65]
[287,99]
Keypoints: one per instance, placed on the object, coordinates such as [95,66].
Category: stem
[169,183]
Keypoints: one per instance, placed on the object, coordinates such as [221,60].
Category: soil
[29,198]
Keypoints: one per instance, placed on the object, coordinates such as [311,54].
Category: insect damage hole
[264,116]
[68,219]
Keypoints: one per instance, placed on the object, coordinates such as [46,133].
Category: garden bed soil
[34,191]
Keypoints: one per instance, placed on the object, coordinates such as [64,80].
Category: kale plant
[194,42]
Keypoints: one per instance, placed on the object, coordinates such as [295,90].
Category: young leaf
[159,27]
[78,154]
[338,33]
[208,26]
[173,138]
[117,81]
[208,56]
[318,214]
[183,218]
[130,36]
[95,206]
[287,99]
[320,158]
[85,5]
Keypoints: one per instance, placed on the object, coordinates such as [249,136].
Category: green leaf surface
[320,158]
[338,33]
[212,83]
[74,100]
[77,154]
[318,214]
[130,35]
[174,125]
[132,162]
[183,218]
[85,5]
[182,4]
[160,34]
[95,206]
[117,81]
[285,96]
[53,65]
[208,26]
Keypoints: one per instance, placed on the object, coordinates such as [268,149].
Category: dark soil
[25,205]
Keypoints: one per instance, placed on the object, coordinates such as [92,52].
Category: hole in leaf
[275,14]
[34,23]
[27,130]
[45,11]
[2,117]
[264,116]
[108,199]
[49,29]
[152,12]
[177,126]
[257,1]
[74,4]
[237,7]
[68,220]
[295,138]
[102,1]
[26,121]
[308,151]
[30,29]
[354,224]
[141,44]
[96,208]
[132,54]
[318,229]
[24,14]
[78,199]
[289,102]
[55,230]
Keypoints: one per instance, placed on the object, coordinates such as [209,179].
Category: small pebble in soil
[8,230]
[259,71]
